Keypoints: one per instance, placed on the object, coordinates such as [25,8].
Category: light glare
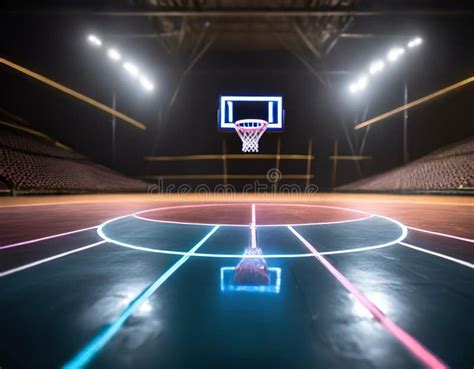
[395,53]
[145,307]
[130,68]
[94,40]
[147,85]
[362,82]
[359,85]
[415,42]
[376,66]
[114,54]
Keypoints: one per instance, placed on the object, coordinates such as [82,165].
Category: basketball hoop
[250,131]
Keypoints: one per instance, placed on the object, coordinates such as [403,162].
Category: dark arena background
[236,184]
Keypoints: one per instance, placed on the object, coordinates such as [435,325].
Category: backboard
[234,108]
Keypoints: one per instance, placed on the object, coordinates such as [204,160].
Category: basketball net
[250,131]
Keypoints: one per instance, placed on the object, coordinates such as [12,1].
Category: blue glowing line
[273,287]
[99,341]
[270,112]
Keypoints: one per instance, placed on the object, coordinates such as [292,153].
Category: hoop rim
[263,124]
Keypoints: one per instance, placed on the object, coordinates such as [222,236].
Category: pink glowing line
[443,234]
[410,343]
[45,238]
[253,228]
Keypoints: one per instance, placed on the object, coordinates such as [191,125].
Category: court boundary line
[45,238]
[443,256]
[443,234]
[45,260]
[415,347]
[87,354]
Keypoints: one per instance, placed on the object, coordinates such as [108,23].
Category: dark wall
[56,47]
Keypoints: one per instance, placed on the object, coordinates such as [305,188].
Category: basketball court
[216,184]
[353,281]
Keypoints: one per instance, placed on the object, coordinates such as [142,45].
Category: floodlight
[395,53]
[362,82]
[131,68]
[94,40]
[147,85]
[376,66]
[353,88]
[114,54]
[415,42]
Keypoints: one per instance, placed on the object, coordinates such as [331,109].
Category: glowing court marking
[443,234]
[42,261]
[246,225]
[174,207]
[403,235]
[245,288]
[45,238]
[187,223]
[450,258]
[410,343]
[253,228]
[98,342]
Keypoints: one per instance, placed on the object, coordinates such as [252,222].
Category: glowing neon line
[231,111]
[450,258]
[45,238]
[317,223]
[443,234]
[278,99]
[270,112]
[246,225]
[187,223]
[98,342]
[245,288]
[42,261]
[253,228]
[410,343]
[268,256]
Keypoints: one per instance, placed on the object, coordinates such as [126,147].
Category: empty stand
[447,169]
[32,164]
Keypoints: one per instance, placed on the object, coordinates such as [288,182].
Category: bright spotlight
[147,85]
[94,40]
[415,42]
[359,85]
[362,82]
[114,54]
[395,53]
[353,88]
[130,68]
[376,66]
